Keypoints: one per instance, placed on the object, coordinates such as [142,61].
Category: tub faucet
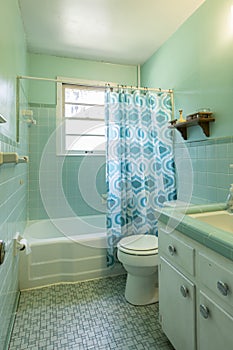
[229,203]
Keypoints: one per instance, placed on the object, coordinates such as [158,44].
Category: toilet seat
[139,245]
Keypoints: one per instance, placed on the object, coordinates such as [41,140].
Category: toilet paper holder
[21,244]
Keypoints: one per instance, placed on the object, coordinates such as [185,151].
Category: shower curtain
[139,166]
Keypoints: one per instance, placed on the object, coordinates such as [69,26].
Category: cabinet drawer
[176,251]
[215,276]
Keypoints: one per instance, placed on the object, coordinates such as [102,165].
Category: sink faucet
[229,203]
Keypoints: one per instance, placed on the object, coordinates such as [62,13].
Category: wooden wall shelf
[182,127]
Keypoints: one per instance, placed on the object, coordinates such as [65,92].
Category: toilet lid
[139,244]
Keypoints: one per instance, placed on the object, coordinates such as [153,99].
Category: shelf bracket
[202,122]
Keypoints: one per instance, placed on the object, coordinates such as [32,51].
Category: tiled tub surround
[87,315]
[67,167]
[65,250]
[210,160]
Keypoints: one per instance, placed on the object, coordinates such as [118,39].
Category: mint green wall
[197,63]
[84,199]
[52,66]
[12,62]
[13,178]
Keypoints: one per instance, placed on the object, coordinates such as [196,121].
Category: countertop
[216,239]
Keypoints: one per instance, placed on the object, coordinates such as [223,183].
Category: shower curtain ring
[145,91]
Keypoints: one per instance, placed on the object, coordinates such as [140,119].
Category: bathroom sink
[220,219]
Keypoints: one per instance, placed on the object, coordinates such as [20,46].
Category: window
[81,119]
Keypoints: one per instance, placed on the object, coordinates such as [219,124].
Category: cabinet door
[216,325]
[177,306]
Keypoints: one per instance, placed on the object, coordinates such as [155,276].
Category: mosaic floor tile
[84,316]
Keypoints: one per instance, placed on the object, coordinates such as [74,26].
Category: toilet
[139,256]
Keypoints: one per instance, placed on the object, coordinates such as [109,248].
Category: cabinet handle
[171,249]
[223,288]
[184,291]
[204,311]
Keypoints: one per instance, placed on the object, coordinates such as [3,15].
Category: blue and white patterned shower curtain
[140,164]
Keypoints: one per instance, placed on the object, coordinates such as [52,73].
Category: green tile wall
[13,178]
[38,137]
[83,178]
[211,170]
[13,209]
[83,183]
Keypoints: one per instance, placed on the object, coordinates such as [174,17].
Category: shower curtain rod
[110,85]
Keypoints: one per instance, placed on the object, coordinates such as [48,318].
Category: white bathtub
[65,250]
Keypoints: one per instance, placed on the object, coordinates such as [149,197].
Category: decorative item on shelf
[201,113]
[181,119]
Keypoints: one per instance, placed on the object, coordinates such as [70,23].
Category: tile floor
[87,315]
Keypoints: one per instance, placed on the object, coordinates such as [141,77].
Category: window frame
[60,115]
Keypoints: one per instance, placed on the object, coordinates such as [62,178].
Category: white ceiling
[118,31]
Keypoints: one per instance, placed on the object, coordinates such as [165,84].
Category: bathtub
[65,250]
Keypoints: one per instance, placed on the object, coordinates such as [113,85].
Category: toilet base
[141,290]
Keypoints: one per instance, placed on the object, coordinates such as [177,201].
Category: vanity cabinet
[195,294]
